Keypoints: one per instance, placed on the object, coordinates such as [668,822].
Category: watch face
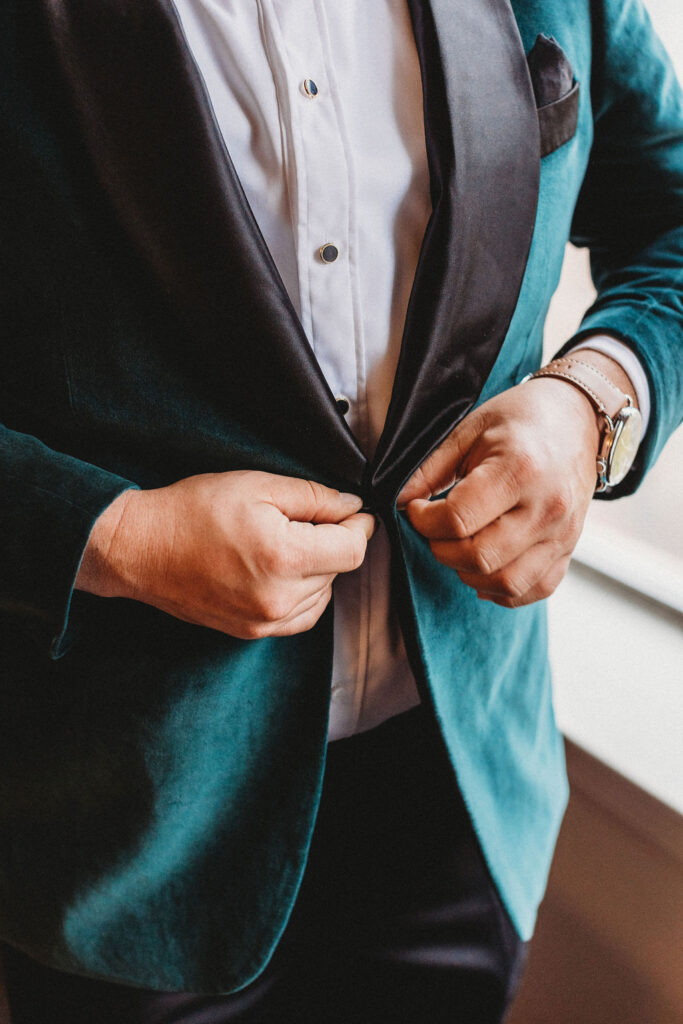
[622,452]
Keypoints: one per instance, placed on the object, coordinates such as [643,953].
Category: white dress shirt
[320,106]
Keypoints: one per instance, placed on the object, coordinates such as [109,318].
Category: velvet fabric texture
[159,781]
[397,919]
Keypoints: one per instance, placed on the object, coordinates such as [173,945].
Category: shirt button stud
[328,252]
[309,88]
[343,404]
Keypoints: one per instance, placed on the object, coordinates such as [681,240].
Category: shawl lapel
[484,160]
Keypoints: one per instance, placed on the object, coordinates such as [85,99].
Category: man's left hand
[523,469]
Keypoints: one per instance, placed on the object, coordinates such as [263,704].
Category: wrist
[619,419]
[568,400]
[112,563]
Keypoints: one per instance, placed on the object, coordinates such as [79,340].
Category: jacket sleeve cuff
[649,339]
[49,503]
[67,627]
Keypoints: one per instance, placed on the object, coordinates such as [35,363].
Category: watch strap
[606,397]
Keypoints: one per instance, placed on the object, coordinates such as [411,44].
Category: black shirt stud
[328,252]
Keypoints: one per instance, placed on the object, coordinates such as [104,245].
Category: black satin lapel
[483,150]
[158,153]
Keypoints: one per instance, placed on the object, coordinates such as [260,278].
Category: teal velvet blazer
[159,781]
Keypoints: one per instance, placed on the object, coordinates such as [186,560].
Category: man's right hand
[247,553]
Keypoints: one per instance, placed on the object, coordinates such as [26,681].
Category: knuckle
[559,503]
[270,560]
[511,586]
[461,520]
[272,608]
[483,560]
[255,631]
[276,560]
[316,612]
[552,580]
[546,588]
[309,620]
[525,465]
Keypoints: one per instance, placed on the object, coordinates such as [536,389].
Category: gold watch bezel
[611,445]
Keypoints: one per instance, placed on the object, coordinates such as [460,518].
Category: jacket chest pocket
[556,92]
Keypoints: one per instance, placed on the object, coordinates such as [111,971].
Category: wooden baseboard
[610,933]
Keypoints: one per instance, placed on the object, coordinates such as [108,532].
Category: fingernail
[352,500]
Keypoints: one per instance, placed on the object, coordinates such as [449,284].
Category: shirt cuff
[630,364]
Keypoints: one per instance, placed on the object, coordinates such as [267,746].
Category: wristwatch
[620,421]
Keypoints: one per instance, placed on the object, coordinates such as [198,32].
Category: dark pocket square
[556,92]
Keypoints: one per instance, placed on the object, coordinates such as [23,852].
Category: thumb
[440,470]
[361,522]
[307,501]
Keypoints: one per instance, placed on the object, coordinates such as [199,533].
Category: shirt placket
[319,169]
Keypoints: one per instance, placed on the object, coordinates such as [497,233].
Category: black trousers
[397,921]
